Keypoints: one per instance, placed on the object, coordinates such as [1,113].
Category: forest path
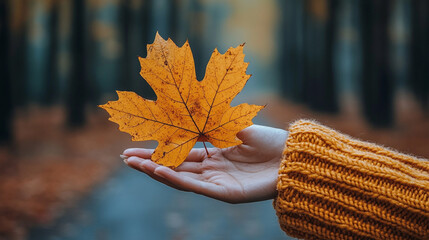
[130,206]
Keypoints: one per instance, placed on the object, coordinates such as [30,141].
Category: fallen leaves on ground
[48,168]
[186,110]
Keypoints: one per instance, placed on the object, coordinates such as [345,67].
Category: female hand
[243,173]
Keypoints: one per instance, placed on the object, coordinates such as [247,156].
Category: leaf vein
[153,120]
[217,90]
[178,90]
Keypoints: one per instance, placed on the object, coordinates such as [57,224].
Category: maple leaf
[186,110]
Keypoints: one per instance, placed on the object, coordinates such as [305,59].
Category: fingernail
[127,150]
[134,160]
[125,158]
[158,174]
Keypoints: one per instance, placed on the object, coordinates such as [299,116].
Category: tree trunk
[142,87]
[419,50]
[174,19]
[5,82]
[125,13]
[146,12]
[19,47]
[93,91]
[377,84]
[319,85]
[331,92]
[195,36]
[51,84]
[76,92]
[293,48]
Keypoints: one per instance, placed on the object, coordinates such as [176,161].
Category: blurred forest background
[361,66]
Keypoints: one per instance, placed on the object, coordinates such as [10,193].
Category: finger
[196,155]
[186,182]
[139,152]
[195,176]
[143,165]
[151,167]
[193,167]
[263,136]
[147,166]
[248,133]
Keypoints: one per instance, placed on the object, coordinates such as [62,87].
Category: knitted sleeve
[331,186]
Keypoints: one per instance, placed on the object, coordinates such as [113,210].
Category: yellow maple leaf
[186,110]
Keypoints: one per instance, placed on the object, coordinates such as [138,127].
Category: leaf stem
[207,151]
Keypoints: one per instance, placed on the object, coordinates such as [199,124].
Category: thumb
[251,134]
[262,136]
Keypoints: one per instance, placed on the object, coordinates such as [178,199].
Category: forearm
[331,186]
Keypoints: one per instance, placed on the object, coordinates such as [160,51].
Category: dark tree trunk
[147,37]
[419,49]
[146,13]
[76,94]
[19,47]
[51,84]
[293,48]
[196,23]
[5,82]
[93,91]
[125,81]
[173,19]
[377,84]
[319,85]
[331,91]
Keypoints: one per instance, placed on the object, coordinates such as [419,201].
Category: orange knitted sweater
[331,186]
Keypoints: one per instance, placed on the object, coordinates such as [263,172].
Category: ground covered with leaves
[49,167]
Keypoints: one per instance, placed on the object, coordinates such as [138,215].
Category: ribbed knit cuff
[334,187]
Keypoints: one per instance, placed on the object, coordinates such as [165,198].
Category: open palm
[243,173]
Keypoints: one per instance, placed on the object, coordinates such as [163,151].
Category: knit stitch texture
[331,186]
